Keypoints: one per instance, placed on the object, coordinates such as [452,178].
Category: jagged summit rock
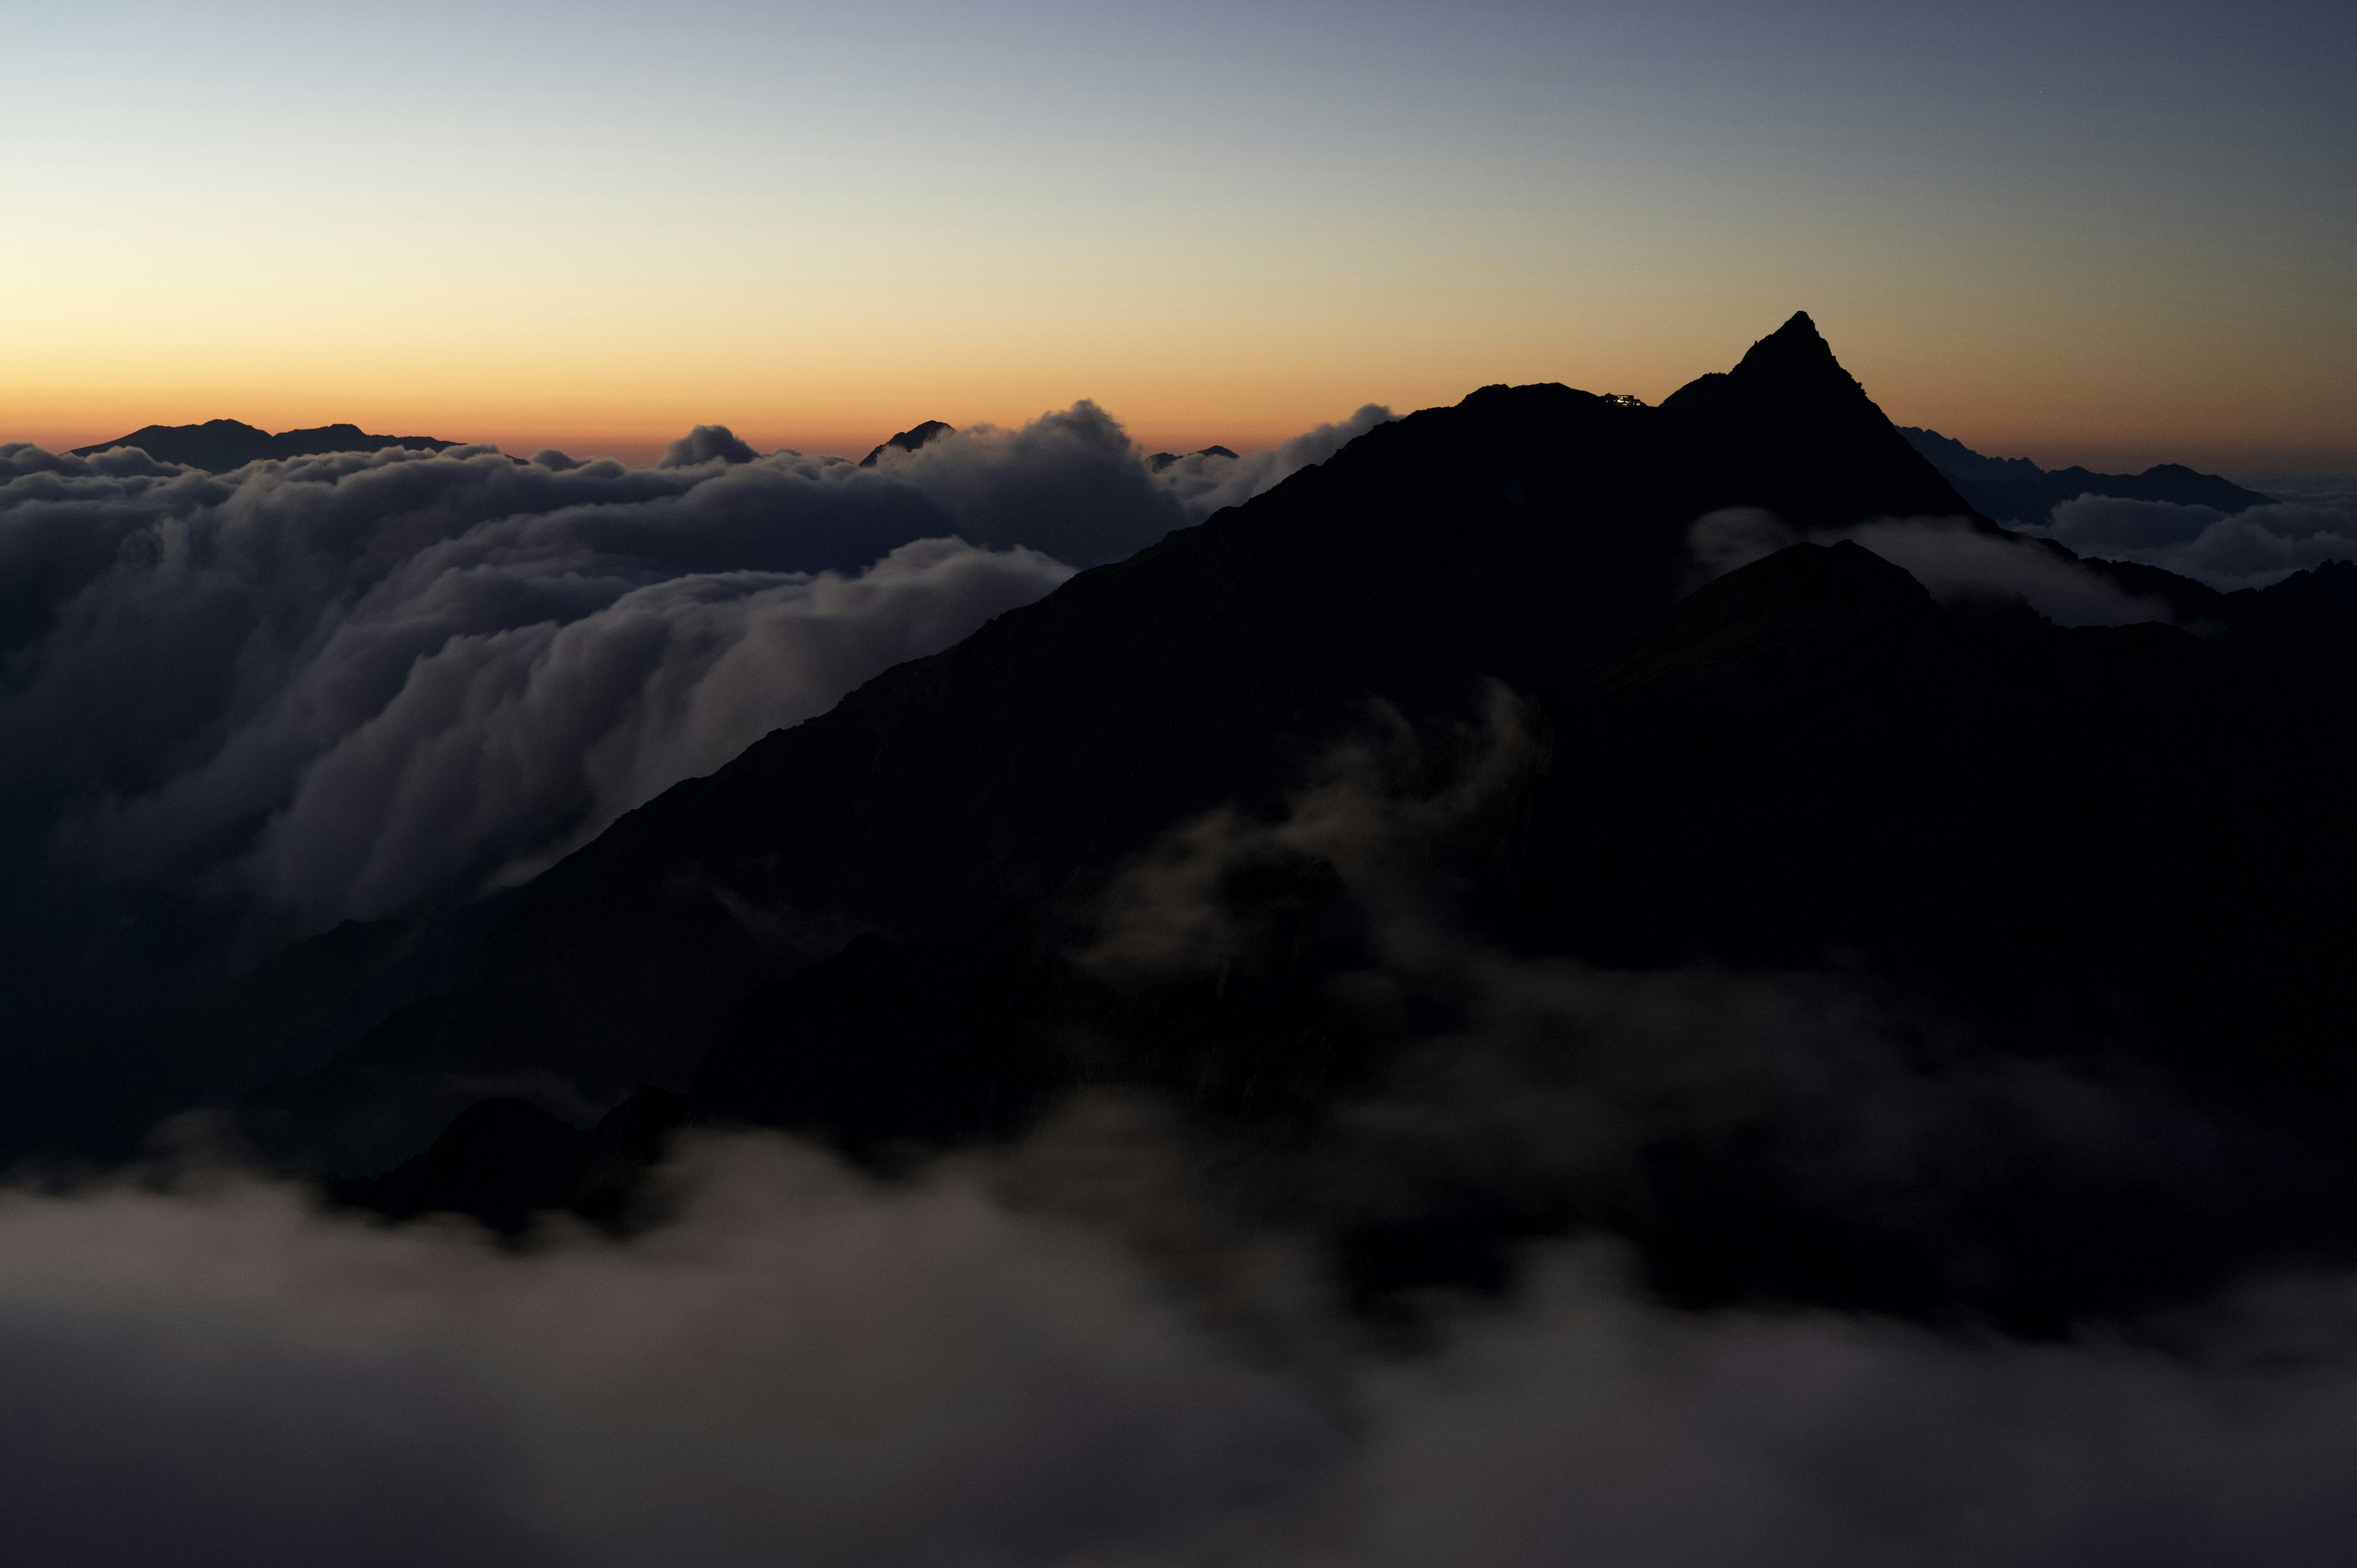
[1786,403]
[219,446]
[1796,343]
[909,440]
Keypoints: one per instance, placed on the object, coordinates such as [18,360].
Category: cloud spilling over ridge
[496,737]
[2248,548]
[805,1365]
[342,684]
[1947,556]
[802,1365]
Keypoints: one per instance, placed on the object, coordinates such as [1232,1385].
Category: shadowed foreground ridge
[2026,853]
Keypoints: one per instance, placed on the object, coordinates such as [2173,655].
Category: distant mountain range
[219,446]
[2015,490]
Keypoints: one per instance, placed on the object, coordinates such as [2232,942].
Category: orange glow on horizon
[2120,398]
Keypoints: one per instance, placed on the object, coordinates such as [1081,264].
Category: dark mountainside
[2015,490]
[221,444]
[2096,877]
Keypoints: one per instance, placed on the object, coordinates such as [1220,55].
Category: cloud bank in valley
[808,1365]
[2248,548]
[341,685]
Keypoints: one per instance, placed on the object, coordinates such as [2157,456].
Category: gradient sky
[2108,234]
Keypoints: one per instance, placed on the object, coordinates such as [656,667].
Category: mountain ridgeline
[1260,818]
[2015,490]
[219,446]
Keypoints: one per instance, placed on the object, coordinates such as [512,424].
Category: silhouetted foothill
[505,1160]
[909,440]
[221,444]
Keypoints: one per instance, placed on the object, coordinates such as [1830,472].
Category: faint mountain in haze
[219,446]
[2015,490]
[911,440]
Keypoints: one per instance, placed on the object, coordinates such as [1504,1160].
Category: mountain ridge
[1175,692]
[2114,849]
[220,445]
[2016,490]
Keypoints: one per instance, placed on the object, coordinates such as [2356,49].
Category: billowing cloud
[2248,548]
[806,1366]
[1947,556]
[706,444]
[1585,1427]
[802,1366]
[339,685]
[1958,562]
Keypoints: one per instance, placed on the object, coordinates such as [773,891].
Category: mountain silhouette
[909,440]
[2016,490]
[2109,844]
[1161,460]
[1792,420]
[221,444]
[991,786]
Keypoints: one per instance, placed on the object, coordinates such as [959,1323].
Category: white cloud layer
[808,1367]
[2248,548]
[340,685]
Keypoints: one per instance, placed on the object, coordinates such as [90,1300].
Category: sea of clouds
[1075,1351]
[347,685]
[1118,1341]
[2249,549]
[2255,548]
[1951,558]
